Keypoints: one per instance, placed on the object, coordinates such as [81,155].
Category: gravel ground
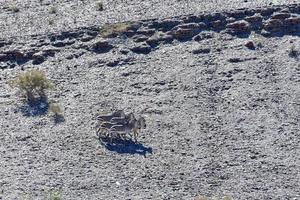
[222,117]
[35,17]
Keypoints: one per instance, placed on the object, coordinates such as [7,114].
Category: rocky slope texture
[219,91]
[28,17]
[144,36]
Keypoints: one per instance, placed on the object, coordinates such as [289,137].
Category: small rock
[265,33]
[159,37]
[266,11]
[3,65]
[134,26]
[165,25]
[235,60]
[203,35]
[13,65]
[58,44]
[191,18]
[250,45]
[142,48]
[230,20]
[256,18]
[50,52]
[113,63]
[241,13]
[292,21]
[273,25]
[29,53]
[4,43]
[129,33]
[146,31]
[77,95]
[190,26]
[18,55]
[63,43]
[24,138]
[38,58]
[280,16]
[293,52]
[14,54]
[292,24]
[124,51]
[182,34]
[70,57]
[40,44]
[241,26]
[201,51]
[3,57]
[213,16]
[139,38]
[160,83]
[101,46]
[285,10]
[87,38]
[218,24]
[92,32]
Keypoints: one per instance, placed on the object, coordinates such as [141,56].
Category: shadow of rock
[35,108]
[125,146]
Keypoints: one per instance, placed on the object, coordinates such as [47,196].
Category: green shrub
[32,84]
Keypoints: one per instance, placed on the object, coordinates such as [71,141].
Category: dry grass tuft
[55,108]
[293,52]
[113,30]
[32,84]
[14,8]
[53,10]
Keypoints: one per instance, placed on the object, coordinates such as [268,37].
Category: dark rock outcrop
[142,48]
[100,46]
[241,26]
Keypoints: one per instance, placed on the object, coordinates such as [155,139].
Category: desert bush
[112,30]
[32,84]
